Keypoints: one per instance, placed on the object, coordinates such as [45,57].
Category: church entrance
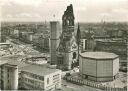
[74,60]
[74,55]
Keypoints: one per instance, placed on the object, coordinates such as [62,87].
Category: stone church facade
[67,51]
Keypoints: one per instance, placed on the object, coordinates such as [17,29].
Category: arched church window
[67,22]
[74,55]
[47,80]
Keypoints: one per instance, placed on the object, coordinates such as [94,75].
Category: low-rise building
[34,77]
[16,75]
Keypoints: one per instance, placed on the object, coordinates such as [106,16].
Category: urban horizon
[84,10]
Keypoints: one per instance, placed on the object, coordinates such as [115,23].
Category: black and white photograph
[63,45]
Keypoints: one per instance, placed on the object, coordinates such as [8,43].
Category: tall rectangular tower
[0,31]
[0,23]
[54,40]
[9,76]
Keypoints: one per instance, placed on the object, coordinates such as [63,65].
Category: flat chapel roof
[98,55]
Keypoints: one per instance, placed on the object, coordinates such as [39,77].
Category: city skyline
[84,10]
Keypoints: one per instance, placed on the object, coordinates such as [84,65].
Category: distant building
[83,45]
[35,38]
[5,45]
[116,33]
[99,66]
[44,43]
[15,33]
[36,60]
[115,46]
[41,41]
[90,40]
[2,36]
[8,77]
[34,77]
[26,36]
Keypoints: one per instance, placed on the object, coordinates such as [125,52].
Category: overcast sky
[84,10]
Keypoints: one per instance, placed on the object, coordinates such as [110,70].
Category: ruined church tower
[67,50]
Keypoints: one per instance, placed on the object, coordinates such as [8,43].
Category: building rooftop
[10,65]
[13,61]
[3,62]
[5,44]
[39,70]
[19,64]
[111,40]
[99,55]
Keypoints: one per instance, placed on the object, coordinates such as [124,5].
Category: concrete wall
[5,79]
[88,66]
[104,68]
[104,79]
[80,64]
[115,66]
[28,81]
[55,29]
[14,79]
[52,82]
